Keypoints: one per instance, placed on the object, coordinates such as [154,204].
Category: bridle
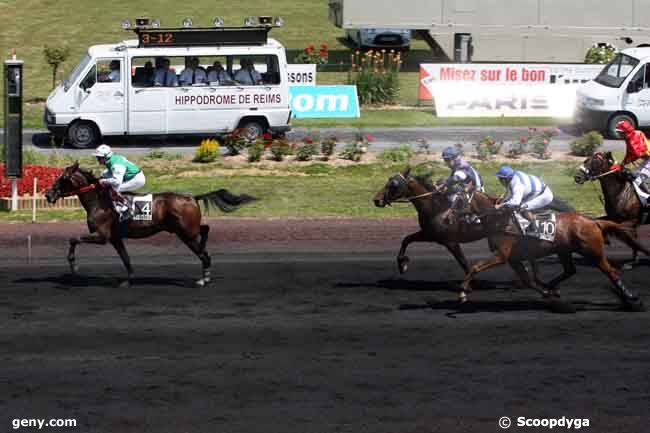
[81,190]
[589,177]
[404,182]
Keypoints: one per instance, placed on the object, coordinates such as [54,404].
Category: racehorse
[621,201]
[171,212]
[573,233]
[432,206]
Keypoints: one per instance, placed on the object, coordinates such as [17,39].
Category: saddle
[141,205]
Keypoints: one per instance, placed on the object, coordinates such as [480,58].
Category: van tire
[83,135]
[253,129]
[611,125]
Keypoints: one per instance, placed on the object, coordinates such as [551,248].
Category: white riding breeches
[137,182]
[540,201]
[643,170]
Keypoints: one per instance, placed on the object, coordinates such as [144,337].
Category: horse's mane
[89,175]
[425,181]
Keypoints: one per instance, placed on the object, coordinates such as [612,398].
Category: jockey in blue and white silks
[524,191]
[462,171]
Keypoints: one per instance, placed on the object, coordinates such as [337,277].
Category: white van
[125,89]
[620,91]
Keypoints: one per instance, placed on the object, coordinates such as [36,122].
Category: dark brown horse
[620,200]
[171,212]
[573,233]
[433,215]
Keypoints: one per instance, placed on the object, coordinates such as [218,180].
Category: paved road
[384,138]
[312,341]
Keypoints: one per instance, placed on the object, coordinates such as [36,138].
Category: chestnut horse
[573,233]
[620,200]
[432,205]
[171,212]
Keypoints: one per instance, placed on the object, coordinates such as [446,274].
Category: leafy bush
[327,146]
[486,147]
[376,75]
[306,151]
[600,53]
[424,146]
[539,141]
[309,55]
[400,154]
[161,154]
[235,142]
[587,144]
[352,152]
[518,148]
[280,148]
[208,151]
[256,150]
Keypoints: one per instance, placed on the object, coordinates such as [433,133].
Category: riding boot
[532,227]
[123,211]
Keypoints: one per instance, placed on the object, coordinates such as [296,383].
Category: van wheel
[252,130]
[83,135]
[611,126]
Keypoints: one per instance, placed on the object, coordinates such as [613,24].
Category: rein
[607,173]
[81,190]
[410,199]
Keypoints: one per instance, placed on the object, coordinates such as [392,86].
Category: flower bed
[45,175]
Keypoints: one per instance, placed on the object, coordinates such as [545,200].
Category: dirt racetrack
[307,328]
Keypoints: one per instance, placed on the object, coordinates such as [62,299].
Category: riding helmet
[103,151]
[450,153]
[505,172]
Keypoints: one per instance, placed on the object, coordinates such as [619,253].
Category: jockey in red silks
[636,148]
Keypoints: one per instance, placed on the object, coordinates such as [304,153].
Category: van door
[101,96]
[636,97]
[147,101]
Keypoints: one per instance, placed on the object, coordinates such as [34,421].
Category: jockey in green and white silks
[121,175]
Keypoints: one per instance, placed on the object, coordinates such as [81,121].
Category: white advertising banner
[488,90]
[301,74]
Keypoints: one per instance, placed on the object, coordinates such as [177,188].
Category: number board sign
[202,36]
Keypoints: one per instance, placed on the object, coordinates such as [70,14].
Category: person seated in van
[193,74]
[247,74]
[218,74]
[114,75]
[144,76]
[164,76]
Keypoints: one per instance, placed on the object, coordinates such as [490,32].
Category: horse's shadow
[428,286]
[69,281]
[454,308]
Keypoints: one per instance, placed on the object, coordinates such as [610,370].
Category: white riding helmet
[103,151]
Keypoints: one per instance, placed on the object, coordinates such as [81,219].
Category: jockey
[524,191]
[121,175]
[636,148]
[461,171]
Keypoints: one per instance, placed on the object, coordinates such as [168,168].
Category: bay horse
[171,212]
[573,233]
[619,197]
[433,209]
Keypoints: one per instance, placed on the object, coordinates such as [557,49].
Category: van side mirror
[633,87]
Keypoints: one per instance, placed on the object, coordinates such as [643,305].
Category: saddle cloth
[544,228]
[141,206]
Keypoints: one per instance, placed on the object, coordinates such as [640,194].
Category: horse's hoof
[74,269]
[200,283]
[126,284]
[462,297]
[560,307]
[403,264]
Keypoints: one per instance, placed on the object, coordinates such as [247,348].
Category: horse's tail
[224,200]
[560,206]
[624,232]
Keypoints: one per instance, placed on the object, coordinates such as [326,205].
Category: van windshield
[72,77]
[617,70]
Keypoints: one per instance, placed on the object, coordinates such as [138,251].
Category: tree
[54,56]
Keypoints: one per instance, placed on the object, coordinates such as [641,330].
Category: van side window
[255,70]
[109,71]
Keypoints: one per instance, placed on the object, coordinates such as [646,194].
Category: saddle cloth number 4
[143,207]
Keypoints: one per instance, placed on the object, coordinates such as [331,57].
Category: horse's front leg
[402,258]
[94,238]
[118,244]
[479,267]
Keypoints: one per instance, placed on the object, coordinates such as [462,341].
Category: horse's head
[72,179]
[397,187]
[594,166]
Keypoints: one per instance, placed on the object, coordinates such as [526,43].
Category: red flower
[523,139]
[323,46]
[370,138]
[308,140]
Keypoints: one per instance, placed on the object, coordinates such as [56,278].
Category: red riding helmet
[625,126]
